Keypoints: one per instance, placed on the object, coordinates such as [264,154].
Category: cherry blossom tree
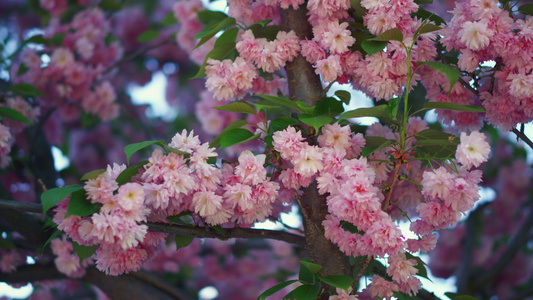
[267,123]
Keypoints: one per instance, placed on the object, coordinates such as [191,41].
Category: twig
[523,137]
[21,206]
[237,232]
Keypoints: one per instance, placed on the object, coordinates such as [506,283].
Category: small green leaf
[345,96]
[404,296]
[428,27]
[423,1]
[379,111]
[306,292]
[207,34]
[281,123]
[7,245]
[315,121]
[211,16]
[422,272]
[372,47]
[271,291]
[338,281]
[453,106]
[375,143]
[452,73]
[92,174]
[258,26]
[25,89]
[393,34]
[392,107]
[218,53]
[220,230]
[464,297]
[426,15]
[132,148]
[236,124]
[306,276]
[169,19]
[328,106]
[13,114]
[450,295]
[148,36]
[351,227]
[58,39]
[84,252]
[270,32]
[183,241]
[234,137]
[126,175]
[238,107]
[311,266]
[282,101]
[54,235]
[111,5]
[80,206]
[526,9]
[51,197]
[23,69]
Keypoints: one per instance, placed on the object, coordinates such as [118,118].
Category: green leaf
[258,26]
[111,5]
[328,106]
[392,107]
[53,196]
[375,143]
[311,266]
[379,111]
[271,291]
[84,251]
[211,16]
[453,106]
[126,175]
[404,296]
[183,241]
[169,19]
[526,9]
[281,123]
[234,137]
[428,27]
[80,206]
[315,121]
[265,105]
[238,107]
[452,73]
[58,39]
[220,230]
[345,96]
[437,143]
[351,227]
[464,297]
[148,36]
[25,89]
[207,34]
[306,276]
[8,112]
[426,15]
[23,69]
[423,1]
[284,102]
[37,39]
[54,235]
[393,34]
[306,292]
[236,124]
[92,174]
[372,47]
[7,245]
[218,53]
[422,272]
[132,148]
[270,32]
[338,281]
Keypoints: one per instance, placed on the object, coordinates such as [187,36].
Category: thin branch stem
[521,135]
[394,180]
[21,206]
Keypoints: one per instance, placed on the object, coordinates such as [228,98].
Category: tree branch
[21,206]
[518,240]
[32,273]
[521,135]
[237,232]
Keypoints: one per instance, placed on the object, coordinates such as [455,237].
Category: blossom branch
[237,232]
[521,135]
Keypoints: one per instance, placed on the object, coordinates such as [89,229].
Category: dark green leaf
[25,89]
[271,291]
[452,73]
[315,121]
[148,36]
[338,281]
[270,32]
[281,123]
[451,295]
[236,124]
[207,34]
[403,296]
[345,96]
[238,107]
[234,137]
[393,34]
[84,252]
[112,5]
[7,245]
[229,36]
[392,107]
[183,241]
[422,272]
[257,27]
[283,101]
[126,175]
[426,15]
[526,9]
[58,39]
[423,1]
[372,47]
[464,297]
[211,16]
[306,292]
[453,106]
[37,39]
[379,111]
[351,228]
[13,114]
[375,143]
[132,148]
[220,230]
[80,206]
[23,69]
[92,174]
[218,53]
[328,106]
[54,235]
[306,276]
[53,196]
[267,106]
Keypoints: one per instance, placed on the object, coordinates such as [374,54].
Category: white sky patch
[153,93]
[60,161]
[20,293]
[208,293]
